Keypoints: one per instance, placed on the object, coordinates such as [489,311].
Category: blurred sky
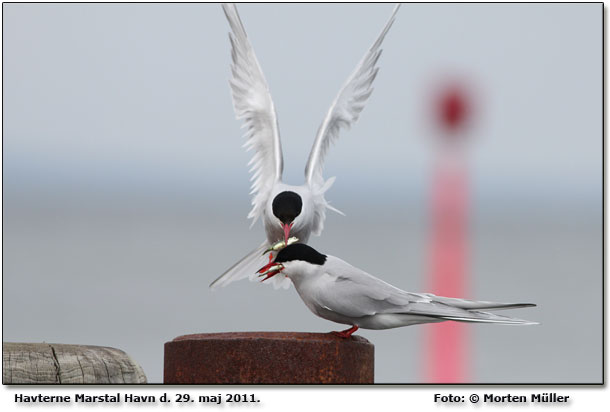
[126,188]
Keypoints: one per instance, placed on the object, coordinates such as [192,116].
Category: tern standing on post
[337,291]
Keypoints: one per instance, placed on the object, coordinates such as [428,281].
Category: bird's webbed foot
[346,333]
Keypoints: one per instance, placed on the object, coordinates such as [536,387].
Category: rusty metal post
[268,357]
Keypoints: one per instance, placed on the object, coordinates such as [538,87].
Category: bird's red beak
[270,269]
[266,267]
[287,228]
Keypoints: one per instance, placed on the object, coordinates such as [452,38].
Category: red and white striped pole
[447,343]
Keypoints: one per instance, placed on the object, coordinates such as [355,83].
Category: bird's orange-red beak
[287,228]
[270,269]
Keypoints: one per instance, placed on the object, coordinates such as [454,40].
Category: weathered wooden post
[268,357]
[41,363]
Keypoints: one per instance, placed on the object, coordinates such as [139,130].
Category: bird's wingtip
[335,209]
[528,323]
[527,305]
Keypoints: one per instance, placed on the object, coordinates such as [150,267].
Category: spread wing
[346,107]
[252,102]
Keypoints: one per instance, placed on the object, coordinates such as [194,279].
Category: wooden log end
[44,363]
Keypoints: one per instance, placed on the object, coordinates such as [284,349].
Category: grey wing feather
[355,293]
[252,103]
[352,292]
[346,107]
[474,316]
[477,304]
[444,311]
[244,268]
[247,267]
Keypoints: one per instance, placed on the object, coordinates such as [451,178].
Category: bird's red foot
[346,333]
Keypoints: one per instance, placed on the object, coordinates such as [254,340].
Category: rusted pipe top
[268,357]
[281,336]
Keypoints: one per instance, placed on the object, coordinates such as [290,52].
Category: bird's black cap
[300,251]
[287,206]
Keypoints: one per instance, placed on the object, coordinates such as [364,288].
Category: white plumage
[337,291]
[252,102]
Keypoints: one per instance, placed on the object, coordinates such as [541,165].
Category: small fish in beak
[281,245]
[271,269]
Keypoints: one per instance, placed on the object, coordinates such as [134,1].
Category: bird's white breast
[312,285]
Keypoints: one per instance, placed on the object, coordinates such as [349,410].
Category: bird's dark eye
[287,206]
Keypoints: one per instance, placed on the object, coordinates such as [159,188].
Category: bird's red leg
[346,333]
